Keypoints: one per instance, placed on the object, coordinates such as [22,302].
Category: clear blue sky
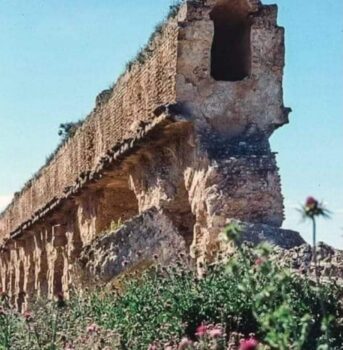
[56,55]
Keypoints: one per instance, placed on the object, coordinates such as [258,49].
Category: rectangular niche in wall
[231,51]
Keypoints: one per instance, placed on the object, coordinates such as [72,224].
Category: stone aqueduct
[176,149]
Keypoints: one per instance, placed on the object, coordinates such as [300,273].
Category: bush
[246,294]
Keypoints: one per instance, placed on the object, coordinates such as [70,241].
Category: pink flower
[152,347]
[28,316]
[259,261]
[248,344]
[215,332]
[311,203]
[184,344]
[93,328]
[201,330]
[313,208]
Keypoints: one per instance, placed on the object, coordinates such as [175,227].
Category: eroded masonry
[174,151]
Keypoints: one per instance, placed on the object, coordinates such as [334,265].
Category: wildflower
[152,347]
[69,346]
[184,343]
[27,315]
[259,261]
[311,202]
[201,330]
[248,344]
[313,208]
[92,328]
[215,332]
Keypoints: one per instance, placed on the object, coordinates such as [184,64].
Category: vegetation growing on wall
[145,52]
[68,129]
[66,132]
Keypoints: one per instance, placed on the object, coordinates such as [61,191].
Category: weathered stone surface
[185,131]
[146,239]
[260,233]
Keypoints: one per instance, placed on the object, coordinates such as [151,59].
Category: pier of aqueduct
[174,151]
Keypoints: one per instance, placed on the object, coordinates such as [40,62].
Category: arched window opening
[231,51]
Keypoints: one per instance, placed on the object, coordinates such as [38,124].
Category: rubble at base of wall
[300,258]
[259,233]
[151,238]
[146,239]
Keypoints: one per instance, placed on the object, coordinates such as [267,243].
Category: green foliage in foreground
[247,294]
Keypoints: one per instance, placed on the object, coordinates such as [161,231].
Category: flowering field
[245,302]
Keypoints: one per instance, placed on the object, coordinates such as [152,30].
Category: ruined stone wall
[176,151]
[115,119]
[241,108]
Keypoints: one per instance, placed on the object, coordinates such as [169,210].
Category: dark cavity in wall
[179,211]
[231,49]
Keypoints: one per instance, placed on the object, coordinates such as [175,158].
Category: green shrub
[246,294]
